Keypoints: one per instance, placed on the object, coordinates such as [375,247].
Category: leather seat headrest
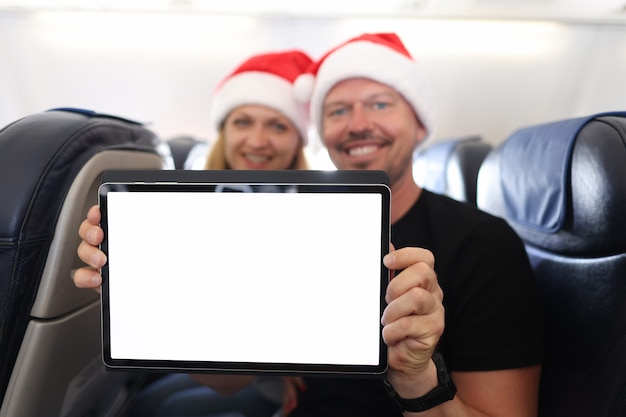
[552,182]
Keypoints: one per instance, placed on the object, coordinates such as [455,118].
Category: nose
[359,120]
[257,137]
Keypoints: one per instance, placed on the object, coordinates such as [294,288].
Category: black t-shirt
[492,307]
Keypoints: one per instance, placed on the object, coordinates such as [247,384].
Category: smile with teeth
[256,158]
[362,150]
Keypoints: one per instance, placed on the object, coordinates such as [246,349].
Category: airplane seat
[562,187]
[188,152]
[450,167]
[50,167]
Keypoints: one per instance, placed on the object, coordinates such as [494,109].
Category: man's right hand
[88,251]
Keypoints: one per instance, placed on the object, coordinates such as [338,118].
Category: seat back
[50,168]
[450,167]
[562,187]
[188,152]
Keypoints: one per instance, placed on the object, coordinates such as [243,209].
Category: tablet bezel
[177,180]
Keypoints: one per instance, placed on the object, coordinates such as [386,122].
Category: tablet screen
[245,276]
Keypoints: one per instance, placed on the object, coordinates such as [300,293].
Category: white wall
[486,77]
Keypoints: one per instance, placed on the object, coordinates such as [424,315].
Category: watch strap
[444,391]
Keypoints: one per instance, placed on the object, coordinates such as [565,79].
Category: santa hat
[380,57]
[265,79]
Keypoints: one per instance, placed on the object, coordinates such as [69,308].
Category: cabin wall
[486,77]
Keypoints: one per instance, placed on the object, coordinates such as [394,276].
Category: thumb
[392,272]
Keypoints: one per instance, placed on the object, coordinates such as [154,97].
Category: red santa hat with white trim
[381,57]
[265,79]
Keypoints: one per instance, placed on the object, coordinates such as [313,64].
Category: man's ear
[420,133]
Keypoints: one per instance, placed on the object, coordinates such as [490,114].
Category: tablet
[245,271]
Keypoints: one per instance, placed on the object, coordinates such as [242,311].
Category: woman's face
[259,137]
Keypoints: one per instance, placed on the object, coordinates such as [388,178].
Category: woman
[259,122]
[259,125]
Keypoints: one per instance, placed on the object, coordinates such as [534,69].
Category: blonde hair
[217,157]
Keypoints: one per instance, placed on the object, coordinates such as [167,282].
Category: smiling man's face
[369,125]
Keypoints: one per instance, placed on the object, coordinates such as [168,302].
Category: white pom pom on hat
[381,57]
[303,87]
[265,79]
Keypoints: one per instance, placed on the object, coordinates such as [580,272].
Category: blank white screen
[245,277]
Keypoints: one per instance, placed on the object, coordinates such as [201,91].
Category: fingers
[94,215]
[413,325]
[87,278]
[410,357]
[415,292]
[418,271]
[414,317]
[92,236]
[91,255]
[89,230]
[407,319]
[414,301]
[88,251]
[402,258]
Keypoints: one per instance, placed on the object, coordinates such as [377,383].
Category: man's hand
[88,251]
[413,320]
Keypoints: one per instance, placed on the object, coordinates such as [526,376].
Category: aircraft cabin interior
[528,107]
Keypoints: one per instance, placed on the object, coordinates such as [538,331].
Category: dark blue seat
[50,167]
[188,152]
[562,186]
[450,167]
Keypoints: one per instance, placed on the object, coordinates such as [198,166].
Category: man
[369,109]
[486,331]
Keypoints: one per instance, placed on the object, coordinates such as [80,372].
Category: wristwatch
[443,392]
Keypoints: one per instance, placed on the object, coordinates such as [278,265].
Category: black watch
[443,392]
